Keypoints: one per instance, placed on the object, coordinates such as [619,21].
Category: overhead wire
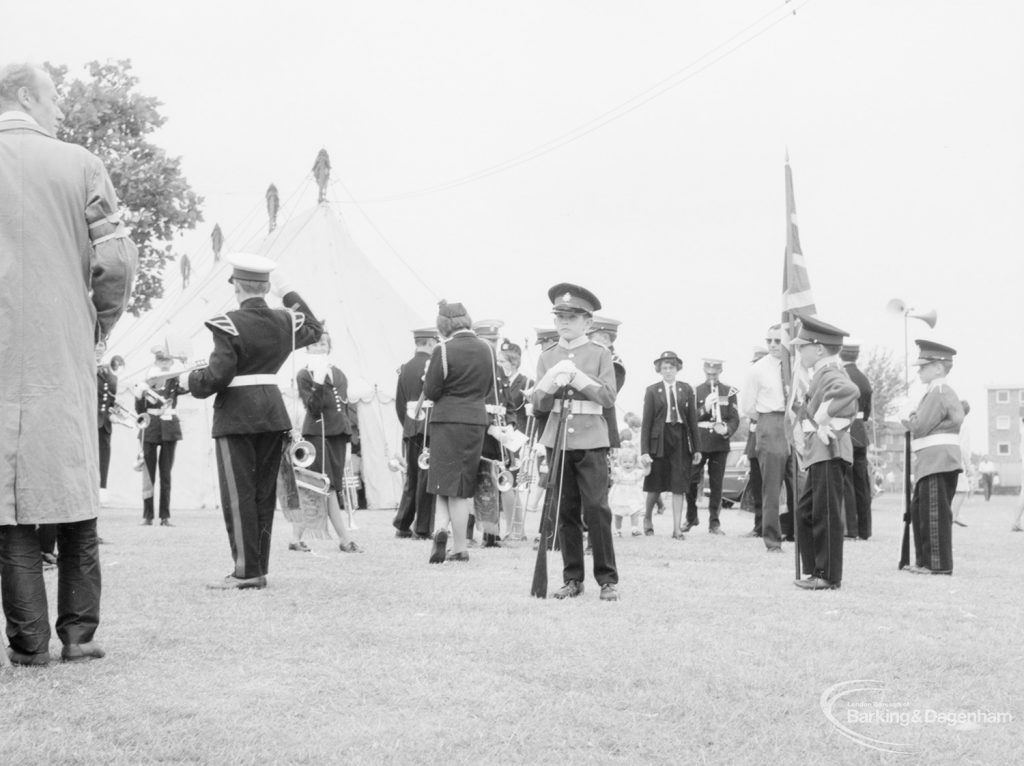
[677,78]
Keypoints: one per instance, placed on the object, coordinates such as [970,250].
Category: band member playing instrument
[934,429]
[415,513]
[458,380]
[717,420]
[159,439]
[250,421]
[106,396]
[323,389]
[668,440]
[825,415]
[584,372]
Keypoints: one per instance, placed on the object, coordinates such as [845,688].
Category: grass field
[711,657]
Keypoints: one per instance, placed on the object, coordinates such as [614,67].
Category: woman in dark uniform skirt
[323,389]
[457,380]
[668,438]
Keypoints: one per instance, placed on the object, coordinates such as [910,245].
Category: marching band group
[479,437]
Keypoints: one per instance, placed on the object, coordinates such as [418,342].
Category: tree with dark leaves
[109,117]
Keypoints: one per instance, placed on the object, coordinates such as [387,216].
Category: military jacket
[829,383]
[326,404]
[106,395]
[407,394]
[934,431]
[515,400]
[728,414]
[164,427]
[252,340]
[858,429]
[460,380]
[584,430]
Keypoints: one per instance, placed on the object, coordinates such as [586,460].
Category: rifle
[905,548]
[552,502]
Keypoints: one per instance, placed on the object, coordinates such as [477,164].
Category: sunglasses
[772,341]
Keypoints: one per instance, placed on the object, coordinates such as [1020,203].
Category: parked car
[737,472]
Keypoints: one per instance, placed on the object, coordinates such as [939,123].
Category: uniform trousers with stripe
[157,455]
[247,466]
[416,508]
[715,461]
[104,456]
[858,496]
[820,521]
[932,520]
[584,497]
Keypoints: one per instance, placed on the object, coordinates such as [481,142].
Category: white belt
[935,440]
[707,424]
[580,408]
[494,409]
[159,411]
[411,407]
[260,379]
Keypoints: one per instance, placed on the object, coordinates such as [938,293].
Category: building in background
[1005,431]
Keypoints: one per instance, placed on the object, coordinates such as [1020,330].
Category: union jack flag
[797,299]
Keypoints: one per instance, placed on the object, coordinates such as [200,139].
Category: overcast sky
[903,121]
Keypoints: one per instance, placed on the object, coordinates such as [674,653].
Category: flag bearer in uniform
[934,431]
[250,345]
[718,418]
[416,508]
[583,371]
[605,331]
[825,415]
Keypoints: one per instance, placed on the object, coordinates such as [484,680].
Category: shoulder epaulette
[223,323]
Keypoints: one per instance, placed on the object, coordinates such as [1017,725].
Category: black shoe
[752,533]
[716,531]
[166,523]
[438,548]
[147,522]
[418,536]
[350,547]
[300,546]
[238,583]
[462,556]
[816,583]
[649,532]
[82,652]
[687,526]
[571,589]
[28,660]
[788,539]
[403,533]
[609,592]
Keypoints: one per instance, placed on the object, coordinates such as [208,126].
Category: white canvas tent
[369,322]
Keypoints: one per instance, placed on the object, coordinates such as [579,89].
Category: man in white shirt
[763,399]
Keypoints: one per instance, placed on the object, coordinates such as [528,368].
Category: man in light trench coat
[66,272]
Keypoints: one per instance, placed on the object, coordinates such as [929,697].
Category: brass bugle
[424,459]
[505,480]
[302,453]
[123,417]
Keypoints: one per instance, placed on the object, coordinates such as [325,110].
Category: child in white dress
[626,496]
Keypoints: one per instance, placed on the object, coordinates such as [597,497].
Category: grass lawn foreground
[711,657]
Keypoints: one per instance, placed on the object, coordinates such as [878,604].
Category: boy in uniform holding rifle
[583,372]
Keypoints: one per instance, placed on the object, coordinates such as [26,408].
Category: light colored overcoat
[58,294]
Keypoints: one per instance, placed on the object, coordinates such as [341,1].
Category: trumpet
[124,417]
[146,391]
[301,452]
